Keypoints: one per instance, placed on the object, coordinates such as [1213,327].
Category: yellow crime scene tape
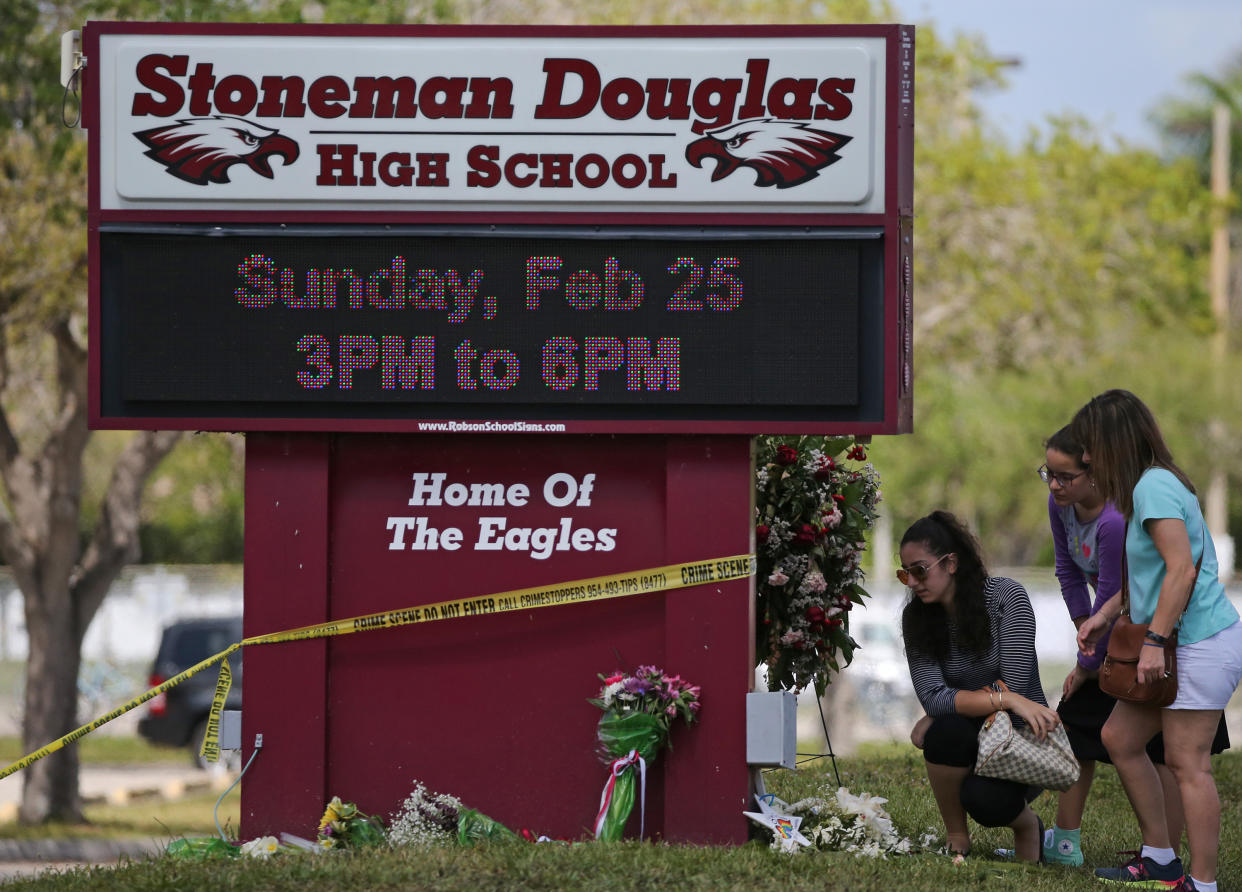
[598,588]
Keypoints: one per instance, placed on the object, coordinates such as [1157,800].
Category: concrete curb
[123,793]
[84,850]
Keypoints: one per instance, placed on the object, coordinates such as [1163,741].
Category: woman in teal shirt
[1165,538]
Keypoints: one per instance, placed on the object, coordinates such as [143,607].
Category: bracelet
[991,701]
[1002,699]
[1152,636]
[1152,644]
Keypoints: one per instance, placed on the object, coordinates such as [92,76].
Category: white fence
[142,601]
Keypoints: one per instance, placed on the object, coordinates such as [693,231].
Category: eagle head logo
[201,150]
[782,153]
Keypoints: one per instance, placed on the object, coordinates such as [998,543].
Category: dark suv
[178,717]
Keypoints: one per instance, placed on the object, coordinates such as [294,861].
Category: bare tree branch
[115,542]
[71,379]
[61,461]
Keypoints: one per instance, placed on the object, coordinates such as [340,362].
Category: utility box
[772,729]
[230,729]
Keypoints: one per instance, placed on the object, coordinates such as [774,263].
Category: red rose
[834,622]
[825,469]
[805,537]
[786,455]
[761,533]
[815,614]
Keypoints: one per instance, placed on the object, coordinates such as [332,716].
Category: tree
[43,372]
[1044,273]
[43,404]
[42,444]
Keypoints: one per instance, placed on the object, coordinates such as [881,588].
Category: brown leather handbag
[1119,673]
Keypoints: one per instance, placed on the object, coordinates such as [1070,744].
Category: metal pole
[1217,501]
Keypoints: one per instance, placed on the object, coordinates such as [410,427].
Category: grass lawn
[153,818]
[102,749]
[892,771]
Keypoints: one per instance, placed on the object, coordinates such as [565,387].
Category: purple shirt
[1100,552]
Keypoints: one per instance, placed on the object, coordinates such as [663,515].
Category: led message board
[557,229]
[514,325]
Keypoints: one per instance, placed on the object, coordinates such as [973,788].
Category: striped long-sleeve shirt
[1010,658]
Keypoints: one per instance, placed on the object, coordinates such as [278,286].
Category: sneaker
[1185,884]
[1144,873]
[1063,847]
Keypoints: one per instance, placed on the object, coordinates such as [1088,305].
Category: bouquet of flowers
[425,819]
[839,821]
[429,819]
[638,710]
[812,513]
[343,826]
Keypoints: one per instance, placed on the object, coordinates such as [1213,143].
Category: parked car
[178,717]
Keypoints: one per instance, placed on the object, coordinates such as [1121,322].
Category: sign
[226,120]
[511,326]
[539,229]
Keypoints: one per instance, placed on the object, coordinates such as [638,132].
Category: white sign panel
[445,123]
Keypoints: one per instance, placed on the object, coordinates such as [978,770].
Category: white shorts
[1208,671]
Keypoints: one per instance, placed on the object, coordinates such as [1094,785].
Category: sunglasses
[917,572]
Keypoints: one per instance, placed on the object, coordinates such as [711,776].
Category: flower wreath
[812,513]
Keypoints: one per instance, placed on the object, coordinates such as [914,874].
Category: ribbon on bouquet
[605,798]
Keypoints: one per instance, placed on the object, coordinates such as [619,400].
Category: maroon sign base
[492,709]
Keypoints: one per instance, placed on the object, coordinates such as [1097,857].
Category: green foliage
[1044,274]
[192,512]
[43,230]
[656,12]
[30,89]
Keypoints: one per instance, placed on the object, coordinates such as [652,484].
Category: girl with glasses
[1165,537]
[964,630]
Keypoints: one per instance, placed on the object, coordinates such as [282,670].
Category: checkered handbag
[1014,754]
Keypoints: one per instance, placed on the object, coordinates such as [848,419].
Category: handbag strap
[1125,574]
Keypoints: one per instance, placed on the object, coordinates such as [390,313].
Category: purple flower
[637,686]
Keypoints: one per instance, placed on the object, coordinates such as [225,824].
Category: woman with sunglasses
[1165,538]
[964,630]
